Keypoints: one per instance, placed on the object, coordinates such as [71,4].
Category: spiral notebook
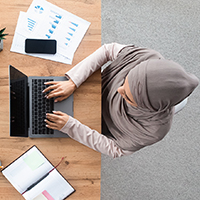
[35,178]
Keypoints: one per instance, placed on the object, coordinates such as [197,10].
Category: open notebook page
[54,184]
[27,169]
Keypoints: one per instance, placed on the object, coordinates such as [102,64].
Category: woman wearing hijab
[141,91]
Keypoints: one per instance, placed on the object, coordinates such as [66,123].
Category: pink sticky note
[47,195]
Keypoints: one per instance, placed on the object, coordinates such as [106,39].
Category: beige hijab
[156,84]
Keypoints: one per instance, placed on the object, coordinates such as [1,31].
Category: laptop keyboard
[40,106]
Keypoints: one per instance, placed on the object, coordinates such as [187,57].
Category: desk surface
[81,165]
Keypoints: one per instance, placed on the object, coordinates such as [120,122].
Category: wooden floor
[81,165]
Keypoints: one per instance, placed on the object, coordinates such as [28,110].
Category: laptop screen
[18,103]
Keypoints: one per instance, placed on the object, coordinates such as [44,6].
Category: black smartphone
[40,46]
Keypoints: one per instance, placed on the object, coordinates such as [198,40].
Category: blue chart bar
[50,31]
[74,24]
[56,14]
[59,16]
[68,39]
[56,21]
[66,44]
[31,24]
[71,34]
[48,36]
[53,26]
[72,29]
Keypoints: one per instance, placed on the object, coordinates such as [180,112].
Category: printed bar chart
[31,24]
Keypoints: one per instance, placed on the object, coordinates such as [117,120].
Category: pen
[34,184]
[30,187]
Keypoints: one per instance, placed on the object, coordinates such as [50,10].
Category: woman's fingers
[59,89]
[55,91]
[52,87]
[51,82]
[52,121]
[52,94]
[50,125]
[59,113]
[56,120]
[53,117]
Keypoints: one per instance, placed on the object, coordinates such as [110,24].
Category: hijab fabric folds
[156,84]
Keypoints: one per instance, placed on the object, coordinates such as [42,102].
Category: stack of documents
[44,20]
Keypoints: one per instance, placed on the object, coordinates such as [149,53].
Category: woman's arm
[107,52]
[92,139]
[83,134]
[77,75]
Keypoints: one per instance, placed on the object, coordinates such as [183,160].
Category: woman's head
[155,84]
[159,84]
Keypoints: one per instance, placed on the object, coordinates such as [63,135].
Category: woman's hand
[56,120]
[60,89]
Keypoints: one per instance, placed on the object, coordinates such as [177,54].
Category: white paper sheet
[19,43]
[44,20]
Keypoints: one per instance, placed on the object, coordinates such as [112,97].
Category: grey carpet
[170,169]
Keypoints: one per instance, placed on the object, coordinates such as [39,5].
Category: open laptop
[28,105]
